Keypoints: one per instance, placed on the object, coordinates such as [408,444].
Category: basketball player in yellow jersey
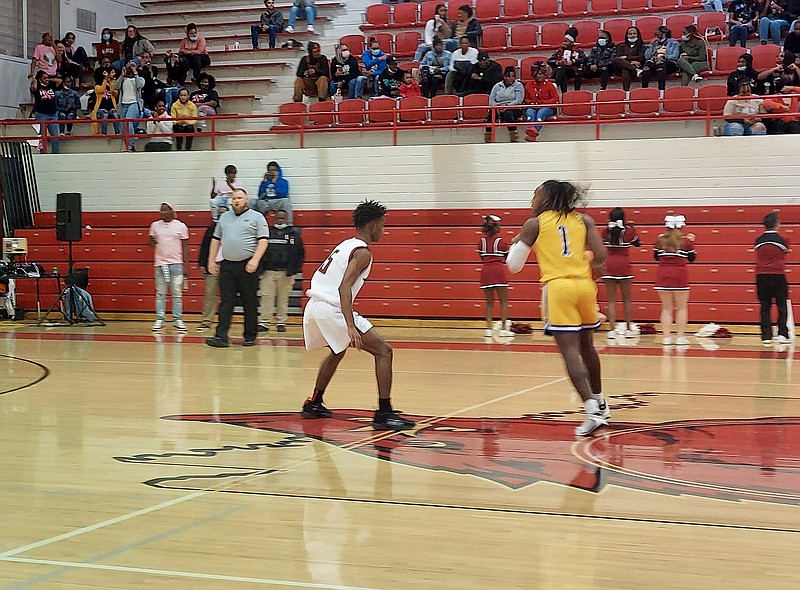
[560,237]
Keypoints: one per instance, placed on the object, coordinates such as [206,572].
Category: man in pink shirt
[170,239]
[44,57]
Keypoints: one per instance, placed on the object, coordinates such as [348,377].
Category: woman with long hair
[618,237]
[674,252]
[133,46]
[493,250]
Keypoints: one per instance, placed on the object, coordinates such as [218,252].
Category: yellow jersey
[560,247]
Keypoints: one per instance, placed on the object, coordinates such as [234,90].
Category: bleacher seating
[437,278]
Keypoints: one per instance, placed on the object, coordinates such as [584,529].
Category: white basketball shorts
[324,325]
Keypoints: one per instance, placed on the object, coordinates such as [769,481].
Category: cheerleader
[619,236]
[674,252]
[493,250]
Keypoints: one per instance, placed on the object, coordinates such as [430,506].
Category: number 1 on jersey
[325,265]
[564,241]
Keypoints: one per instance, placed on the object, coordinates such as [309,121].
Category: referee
[243,236]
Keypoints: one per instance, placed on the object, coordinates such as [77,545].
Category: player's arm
[521,245]
[359,261]
[596,246]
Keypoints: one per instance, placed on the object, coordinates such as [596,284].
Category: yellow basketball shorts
[569,305]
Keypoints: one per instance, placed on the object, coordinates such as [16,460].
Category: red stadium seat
[571,110]
[587,32]
[604,7]
[505,62]
[292,114]
[473,108]
[574,7]
[405,44]
[349,113]
[524,36]
[678,100]
[405,14]
[385,41]
[448,102]
[380,111]
[515,9]
[677,22]
[453,7]
[553,33]
[665,3]
[321,113]
[635,6]
[427,10]
[545,7]
[711,25]
[408,109]
[617,27]
[727,59]
[644,102]
[712,97]
[487,10]
[356,43]
[764,56]
[495,38]
[604,99]
[647,26]
[378,14]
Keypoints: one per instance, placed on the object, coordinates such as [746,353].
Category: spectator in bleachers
[694,56]
[600,59]
[461,63]
[45,109]
[742,20]
[788,107]
[273,193]
[193,53]
[169,238]
[222,190]
[130,102]
[346,76]
[185,114]
[313,74]
[160,122]
[567,62]
[774,21]
[102,70]
[661,58]
[630,57]
[507,93]
[375,61]
[68,104]
[105,105]
[484,75]
[409,88]
[133,46]
[744,72]
[434,67]
[271,23]
[438,26]
[309,10]
[785,69]
[152,85]
[466,26]
[712,5]
[108,46]
[211,281]
[539,91]
[792,41]
[281,262]
[741,113]
[391,78]
[66,67]
[205,97]
[44,58]
[76,54]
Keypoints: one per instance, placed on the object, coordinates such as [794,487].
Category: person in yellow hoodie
[105,104]
[185,114]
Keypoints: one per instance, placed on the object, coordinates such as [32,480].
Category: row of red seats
[384,16]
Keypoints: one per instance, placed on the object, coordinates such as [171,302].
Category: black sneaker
[249,342]
[281,328]
[262,328]
[217,342]
[391,421]
[315,410]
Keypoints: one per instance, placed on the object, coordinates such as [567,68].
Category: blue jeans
[52,131]
[422,49]
[175,281]
[310,12]
[272,31]
[355,87]
[712,5]
[540,114]
[738,129]
[451,44]
[121,63]
[103,114]
[170,96]
[739,33]
[130,111]
[66,116]
[774,27]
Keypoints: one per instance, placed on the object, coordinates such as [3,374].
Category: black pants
[179,138]
[195,63]
[507,116]
[158,146]
[233,279]
[659,71]
[563,75]
[603,73]
[771,287]
[778,127]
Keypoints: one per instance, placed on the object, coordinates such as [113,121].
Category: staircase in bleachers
[426,266]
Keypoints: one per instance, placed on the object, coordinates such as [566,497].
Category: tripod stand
[72,304]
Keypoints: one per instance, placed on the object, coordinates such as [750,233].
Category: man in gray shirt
[242,235]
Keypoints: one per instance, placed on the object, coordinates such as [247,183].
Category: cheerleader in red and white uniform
[619,237]
[493,250]
[674,252]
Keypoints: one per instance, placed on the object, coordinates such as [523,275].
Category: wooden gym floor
[129,461]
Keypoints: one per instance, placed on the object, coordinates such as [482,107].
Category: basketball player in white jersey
[329,319]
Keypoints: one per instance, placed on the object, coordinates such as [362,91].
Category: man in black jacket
[283,260]
[271,23]
[484,75]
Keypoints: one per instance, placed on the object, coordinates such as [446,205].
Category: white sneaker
[594,419]
[639,72]
[782,340]
[631,334]
[666,341]
[620,328]
[682,341]
[766,342]
[506,333]
[605,411]
[289,29]
[487,332]
[310,28]
[634,328]
[179,325]
[158,324]
[611,334]
[697,78]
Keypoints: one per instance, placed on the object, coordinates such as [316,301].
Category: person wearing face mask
[313,74]
[193,52]
[629,57]
[743,72]
[271,23]
[600,59]
[694,56]
[661,58]
[160,122]
[346,75]
[282,261]
[108,46]
[375,61]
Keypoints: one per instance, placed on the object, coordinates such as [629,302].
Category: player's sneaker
[315,410]
[605,411]
[391,421]
[594,419]
[158,324]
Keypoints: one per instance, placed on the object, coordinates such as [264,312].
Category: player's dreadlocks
[560,196]
[367,212]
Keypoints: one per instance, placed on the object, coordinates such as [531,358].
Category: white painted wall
[110,13]
[14,86]
[651,172]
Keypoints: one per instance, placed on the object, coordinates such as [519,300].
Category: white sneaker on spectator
[697,78]
[639,72]
[179,325]
[488,332]
[782,340]
[310,28]
[290,29]
[766,342]
[158,324]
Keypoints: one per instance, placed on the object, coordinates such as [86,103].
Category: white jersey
[328,278]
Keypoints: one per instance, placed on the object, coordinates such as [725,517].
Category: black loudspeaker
[68,217]
[78,277]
